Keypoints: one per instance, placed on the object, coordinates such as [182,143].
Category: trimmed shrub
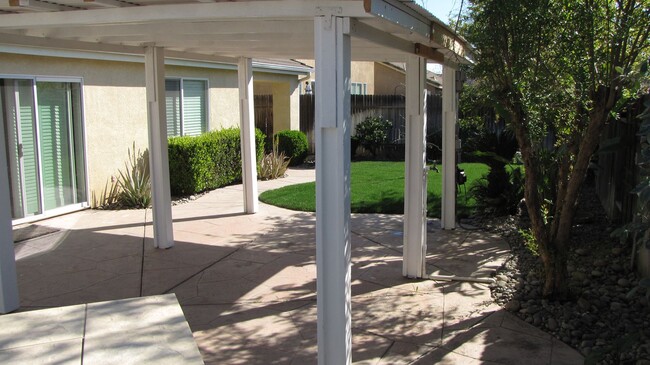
[372,133]
[208,161]
[294,145]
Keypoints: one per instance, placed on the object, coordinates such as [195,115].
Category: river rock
[581,252]
[596,273]
[513,306]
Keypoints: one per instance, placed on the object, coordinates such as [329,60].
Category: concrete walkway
[247,285]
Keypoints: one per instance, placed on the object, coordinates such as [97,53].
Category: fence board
[390,107]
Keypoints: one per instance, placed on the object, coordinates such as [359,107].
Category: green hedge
[293,144]
[208,161]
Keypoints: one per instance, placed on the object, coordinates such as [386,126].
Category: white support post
[415,188]
[247,130]
[333,244]
[154,64]
[448,147]
[9,300]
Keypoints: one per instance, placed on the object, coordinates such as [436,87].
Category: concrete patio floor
[247,283]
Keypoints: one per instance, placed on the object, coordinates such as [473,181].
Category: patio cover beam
[448,146]
[195,12]
[333,242]
[401,15]
[154,64]
[247,130]
[9,300]
[415,194]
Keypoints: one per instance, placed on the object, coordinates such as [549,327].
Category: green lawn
[377,187]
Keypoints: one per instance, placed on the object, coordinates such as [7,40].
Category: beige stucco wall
[388,81]
[364,72]
[286,98]
[115,113]
[114,109]
[223,95]
[360,71]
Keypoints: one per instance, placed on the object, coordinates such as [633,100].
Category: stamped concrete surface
[148,330]
[247,283]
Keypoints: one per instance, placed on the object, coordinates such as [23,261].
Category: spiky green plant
[134,182]
[274,165]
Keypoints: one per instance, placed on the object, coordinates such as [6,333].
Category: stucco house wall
[380,78]
[115,108]
[388,81]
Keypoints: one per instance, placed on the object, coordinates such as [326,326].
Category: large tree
[558,68]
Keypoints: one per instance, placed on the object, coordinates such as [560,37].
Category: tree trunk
[555,271]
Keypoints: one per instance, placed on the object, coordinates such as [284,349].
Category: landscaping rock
[599,277]
[513,306]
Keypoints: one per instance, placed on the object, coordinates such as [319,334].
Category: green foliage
[132,189]
[377,187]
[529,241]
[372,133]
[134,182]
[208,161]
[471,131]
[557,68]
[500,191]
[292,144]
[108,197]
[274,164]
[639,229]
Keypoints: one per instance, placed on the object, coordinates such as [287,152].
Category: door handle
[20,150]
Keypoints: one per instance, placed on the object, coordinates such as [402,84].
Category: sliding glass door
[44,139]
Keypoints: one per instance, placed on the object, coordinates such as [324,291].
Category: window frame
[206,90]
[363,88]
[81,204]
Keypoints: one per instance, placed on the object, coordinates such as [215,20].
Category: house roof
[382,30]
[289,67]
[432,77]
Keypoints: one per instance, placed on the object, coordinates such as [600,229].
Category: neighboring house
[377,78]
[70,117]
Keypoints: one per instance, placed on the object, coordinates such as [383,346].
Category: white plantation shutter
[194,107]
[173,107]
[55,146]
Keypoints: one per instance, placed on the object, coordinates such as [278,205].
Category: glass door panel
[43,126]
[17,115]
[54,116]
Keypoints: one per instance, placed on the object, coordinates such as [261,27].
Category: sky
[442,9]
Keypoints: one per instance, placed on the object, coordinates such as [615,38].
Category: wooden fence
[616,172]
[390,107]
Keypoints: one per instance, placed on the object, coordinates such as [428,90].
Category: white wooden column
[332,51]
[448,147]
[154,64]
[247,129]
[9,300]
[415,187]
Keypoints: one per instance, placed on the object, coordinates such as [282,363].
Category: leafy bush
[503,199]
[292,144]
[274,165]
[208,161]
[472,132]
[434,146]
[372,133]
